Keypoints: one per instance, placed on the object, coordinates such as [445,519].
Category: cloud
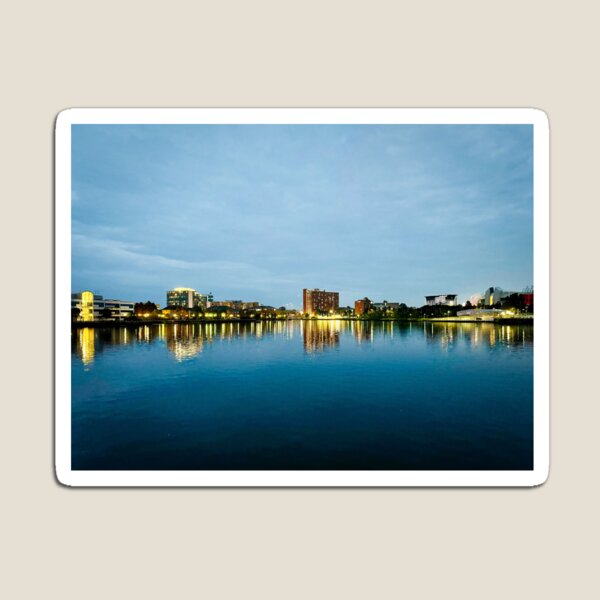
[394,211]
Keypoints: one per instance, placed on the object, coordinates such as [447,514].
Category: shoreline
[142,323]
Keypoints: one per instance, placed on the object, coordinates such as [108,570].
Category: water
[303,395]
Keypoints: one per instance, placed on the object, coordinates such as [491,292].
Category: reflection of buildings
[187,341]
[86,344]
[91,306]
[478,334]
[320,335]
[188,298]
[445,299]
[184,341]
[481,314]
[316,301]
[363,331]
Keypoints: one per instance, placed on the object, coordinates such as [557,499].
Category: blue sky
[258,212]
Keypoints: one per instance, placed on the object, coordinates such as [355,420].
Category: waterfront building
[361,307]
[91,305]
[315,301]
[385,305]
[238,304]
[260,311]
[527,300]
[247,305]
[444,299]
[222,311]
[493,295]
[188,298]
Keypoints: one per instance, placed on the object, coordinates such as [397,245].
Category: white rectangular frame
[430,116]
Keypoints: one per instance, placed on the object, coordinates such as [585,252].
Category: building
[188,298]
[528,300]
[319,301]
[247,305]
[222,311]
[91,305]
[238,304]
[493,295]
[260,312]
[385,305]
[361,307]
[445,299]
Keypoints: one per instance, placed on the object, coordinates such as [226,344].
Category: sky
[259,212]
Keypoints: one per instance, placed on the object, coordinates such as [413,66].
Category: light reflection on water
[187,340]
[324,394]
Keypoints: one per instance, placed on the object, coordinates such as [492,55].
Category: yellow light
[87,306]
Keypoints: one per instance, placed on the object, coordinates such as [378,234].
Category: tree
[75,312]
[468,305]
[106,313]
[144,308]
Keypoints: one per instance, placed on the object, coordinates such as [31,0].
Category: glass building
[188,298]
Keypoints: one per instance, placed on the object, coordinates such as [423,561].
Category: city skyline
[394,212]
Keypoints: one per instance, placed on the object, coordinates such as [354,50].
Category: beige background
[297,543]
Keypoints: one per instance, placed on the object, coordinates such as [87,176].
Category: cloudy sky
[258,212]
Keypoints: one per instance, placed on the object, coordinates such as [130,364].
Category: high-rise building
[188,298]
[445,299]
[316,301]
[361,307]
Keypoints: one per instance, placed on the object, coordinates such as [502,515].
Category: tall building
[361,307]
[91,305]
[188,298]
[317,300]
[445,299]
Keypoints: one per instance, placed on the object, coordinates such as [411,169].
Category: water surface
[303,395]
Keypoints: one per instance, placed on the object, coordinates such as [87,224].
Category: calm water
[303,395]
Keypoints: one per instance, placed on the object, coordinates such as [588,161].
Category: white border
[532,116]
